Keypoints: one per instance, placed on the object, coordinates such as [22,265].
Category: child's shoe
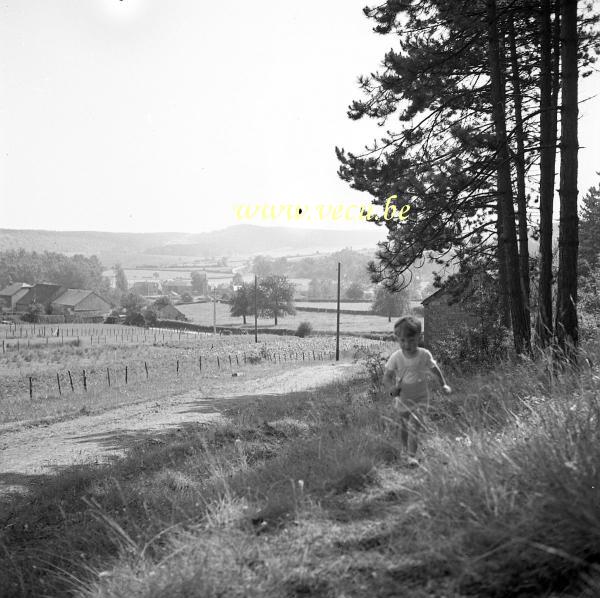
[412,462]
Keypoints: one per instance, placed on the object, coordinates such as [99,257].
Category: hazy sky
[140,115]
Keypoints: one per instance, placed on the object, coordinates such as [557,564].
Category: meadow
[309,495]
[202,313]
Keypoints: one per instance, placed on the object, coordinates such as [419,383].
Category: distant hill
[162,248]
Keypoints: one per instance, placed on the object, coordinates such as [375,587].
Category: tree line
[480,101]
[74,272]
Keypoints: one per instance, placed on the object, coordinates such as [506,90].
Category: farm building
[43,293]
[168,312]
[443,313]
[80,302]
[12,293]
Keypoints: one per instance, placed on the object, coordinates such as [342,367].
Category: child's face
[409,343]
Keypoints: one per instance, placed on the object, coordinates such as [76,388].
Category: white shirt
[412,374]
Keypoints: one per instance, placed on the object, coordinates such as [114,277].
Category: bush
[134,319]
[374,364]
[149,317]
[304,329]
[473,347]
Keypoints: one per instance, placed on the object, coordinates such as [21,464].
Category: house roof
[72,297]
[433,296]
[42,293]
[478,277]
[13,288]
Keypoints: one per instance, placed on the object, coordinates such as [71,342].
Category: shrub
[374,363]
[149,317]
[483,345]
[304,329]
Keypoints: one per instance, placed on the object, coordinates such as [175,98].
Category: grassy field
[311,496]
[153,371]
[202,313]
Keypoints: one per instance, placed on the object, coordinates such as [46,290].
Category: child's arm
[389,382]
[438,374]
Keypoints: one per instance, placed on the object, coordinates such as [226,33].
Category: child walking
[406,377]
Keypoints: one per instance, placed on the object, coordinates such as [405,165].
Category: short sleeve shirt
[412,374]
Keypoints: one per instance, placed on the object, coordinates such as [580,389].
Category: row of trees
[74,272]
[484,91]
[274,296]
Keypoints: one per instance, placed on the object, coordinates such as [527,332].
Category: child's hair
[410,324]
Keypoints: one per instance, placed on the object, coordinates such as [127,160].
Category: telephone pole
[214,310]
[255,313]
[337,326]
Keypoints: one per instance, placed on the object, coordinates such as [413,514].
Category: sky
[150,116]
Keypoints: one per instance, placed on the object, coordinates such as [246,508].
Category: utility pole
[255,313]
[337,326]
[214,310]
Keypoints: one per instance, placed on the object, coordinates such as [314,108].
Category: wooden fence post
[125,374]
[58,382]
[84,381]
[71,380]
[146,368]
[30,387]
[108,376]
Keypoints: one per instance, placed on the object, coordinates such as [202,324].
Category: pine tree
[566,327]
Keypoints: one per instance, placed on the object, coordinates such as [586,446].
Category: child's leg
[413,427]
[404,431]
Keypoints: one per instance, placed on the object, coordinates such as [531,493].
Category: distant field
[202,313]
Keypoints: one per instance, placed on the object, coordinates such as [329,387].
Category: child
[406,373]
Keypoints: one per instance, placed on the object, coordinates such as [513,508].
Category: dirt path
[46,449]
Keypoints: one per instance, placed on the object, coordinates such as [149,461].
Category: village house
[80,302]
[168,312]
[43,294]
[12,293]
[443,314]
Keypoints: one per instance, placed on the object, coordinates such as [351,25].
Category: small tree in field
[243,301]
[277,295]
[120,278]
[390,304]
[354,291]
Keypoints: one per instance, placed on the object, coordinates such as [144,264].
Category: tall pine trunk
[502,275]
[548,124]
[566,328]
[520,169]
[505,196]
